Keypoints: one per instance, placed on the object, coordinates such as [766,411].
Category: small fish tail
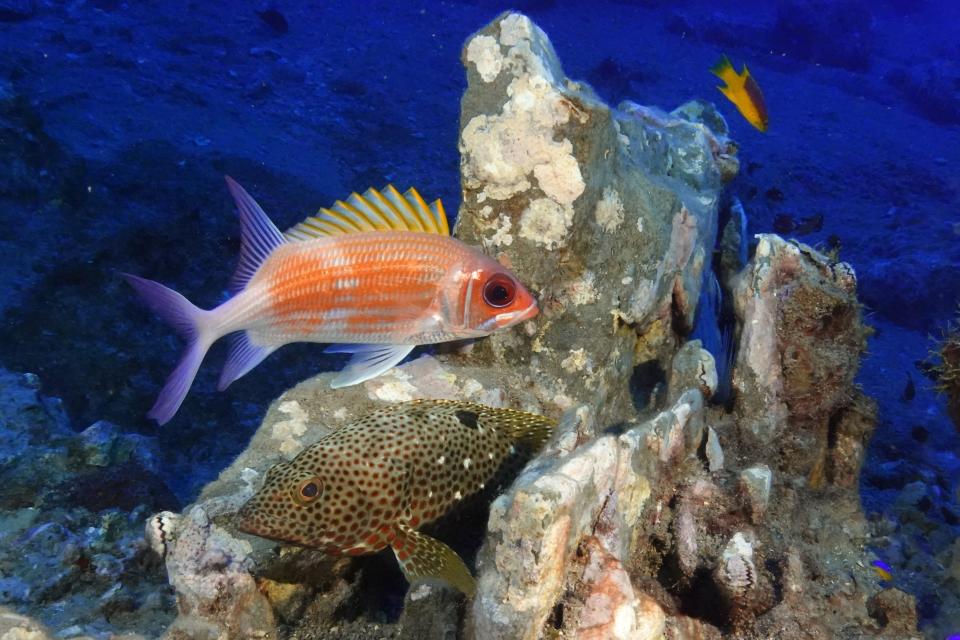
[190,322]
[722,66]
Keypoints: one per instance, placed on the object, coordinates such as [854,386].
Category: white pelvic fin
[368,361]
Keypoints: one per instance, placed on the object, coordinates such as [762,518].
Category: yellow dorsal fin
[386,210]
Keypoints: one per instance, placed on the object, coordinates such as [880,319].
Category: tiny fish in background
[378,275]
[909,390]
[883,570]
[274,19]
[372,483]
[743,91]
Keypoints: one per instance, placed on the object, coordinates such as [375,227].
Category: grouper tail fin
[191,322]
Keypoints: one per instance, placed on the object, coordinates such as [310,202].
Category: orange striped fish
[378,275]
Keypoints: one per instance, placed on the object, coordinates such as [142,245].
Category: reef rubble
[656,510]
[72,552]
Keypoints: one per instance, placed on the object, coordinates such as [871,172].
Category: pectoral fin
[421,556]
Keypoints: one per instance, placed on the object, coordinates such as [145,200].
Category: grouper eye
[499,291]
[308,491]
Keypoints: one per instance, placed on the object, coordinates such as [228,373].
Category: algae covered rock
[608,215]
[801,339]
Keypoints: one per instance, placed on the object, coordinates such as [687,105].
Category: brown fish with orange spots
[372,483]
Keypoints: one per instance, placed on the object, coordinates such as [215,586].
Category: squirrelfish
[743,91]
[378,274]
[370,484]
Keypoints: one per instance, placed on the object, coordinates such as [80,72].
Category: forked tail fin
[190,322]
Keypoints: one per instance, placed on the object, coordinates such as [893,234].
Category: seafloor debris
[71,522]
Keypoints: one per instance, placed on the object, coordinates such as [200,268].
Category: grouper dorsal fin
[386,210]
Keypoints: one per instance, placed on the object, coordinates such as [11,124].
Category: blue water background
[120,119]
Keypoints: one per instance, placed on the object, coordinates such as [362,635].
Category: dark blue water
[119,119]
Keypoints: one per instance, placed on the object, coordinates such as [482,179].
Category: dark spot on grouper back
[467,418]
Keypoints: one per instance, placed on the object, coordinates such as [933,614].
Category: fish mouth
[512,318]
[504,320]
[249,523]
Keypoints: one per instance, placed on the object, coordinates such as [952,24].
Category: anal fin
[368,361]
[421,556]
[244,356]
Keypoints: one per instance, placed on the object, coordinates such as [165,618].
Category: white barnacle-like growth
[736,571]
[161,530]
[609,212]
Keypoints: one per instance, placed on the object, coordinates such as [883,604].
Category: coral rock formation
[609,215]
[651,512]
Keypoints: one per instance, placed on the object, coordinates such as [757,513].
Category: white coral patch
[563,401]
[288,431]
[396,390]
[609,211]
[584,290]
[515,28]
[576,361]
[503,152]
[561,179]
[484,53]
[546,223]
[471,387]
[502,236]
[250,477]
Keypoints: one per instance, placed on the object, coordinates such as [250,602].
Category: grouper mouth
[247,521]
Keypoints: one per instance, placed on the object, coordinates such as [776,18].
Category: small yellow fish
[743,91]
[372,483]
[883,570]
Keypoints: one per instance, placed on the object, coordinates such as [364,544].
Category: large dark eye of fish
[308,491]
[499,290]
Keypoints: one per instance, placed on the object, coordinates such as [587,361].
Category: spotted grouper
[372,483]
